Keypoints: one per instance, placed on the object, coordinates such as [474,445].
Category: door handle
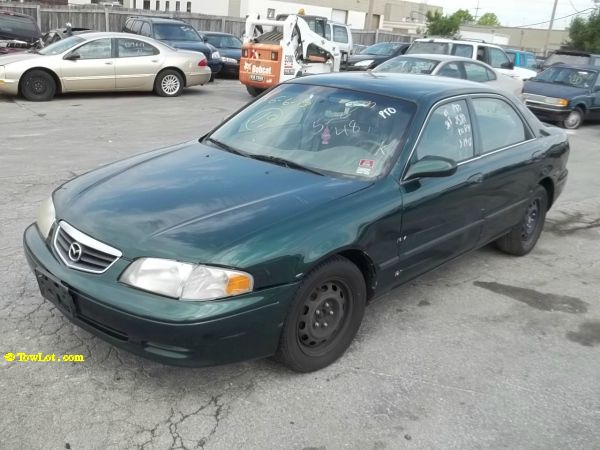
[155,60]
[536,156]
[475,179]
[108,63]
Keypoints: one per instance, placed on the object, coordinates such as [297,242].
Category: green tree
[440,25]
[464,16]
[489,19]
[585,33]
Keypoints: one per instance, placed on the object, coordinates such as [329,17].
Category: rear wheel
[324,316]
[574,119]
[38,86]
[169,83]
[522,239]
[253,91]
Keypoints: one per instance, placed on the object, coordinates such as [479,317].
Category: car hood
[234,53]
[552,90]
[17,57]
[190,202]
[353,59]
[197,46]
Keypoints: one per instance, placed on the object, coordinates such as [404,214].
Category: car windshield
[12,27]
[175,32]
[568,76]
[223,41]
[335,131]
[403,64]
[61,46]
[381,49]
[566,58]
[431,48]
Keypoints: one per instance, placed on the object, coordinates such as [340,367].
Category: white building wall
[213,8]
[356,19]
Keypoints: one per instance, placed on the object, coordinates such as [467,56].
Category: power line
[558,18]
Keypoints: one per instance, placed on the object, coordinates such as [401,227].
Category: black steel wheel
[38,86]
[522,239]
[324,317]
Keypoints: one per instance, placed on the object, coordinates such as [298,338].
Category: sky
[519,12]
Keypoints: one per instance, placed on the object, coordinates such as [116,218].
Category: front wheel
[253,91]
[574,119]
[38,86]
[324,316]
[169,83]
[522,239]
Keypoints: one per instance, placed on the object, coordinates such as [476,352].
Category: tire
[254,92]
[574,119]
[38,86]
[522,239]
[324,316]
[168,83]
[212,77]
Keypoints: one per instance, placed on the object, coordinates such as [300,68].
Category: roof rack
[142,16]
[470,40]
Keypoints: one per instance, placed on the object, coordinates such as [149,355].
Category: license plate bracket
[56,292]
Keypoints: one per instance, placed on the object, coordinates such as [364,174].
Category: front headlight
[364,63]
[225,59]
[184,281]
[46,217]
[215,55]
[556,101]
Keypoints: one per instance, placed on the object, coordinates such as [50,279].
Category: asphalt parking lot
[489,351]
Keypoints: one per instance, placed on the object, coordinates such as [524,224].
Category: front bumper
[549,113]
[215,65]
[10,87]
[193,334]
[230,69]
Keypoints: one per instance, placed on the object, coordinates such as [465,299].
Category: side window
[476,72]
[145,31]
[497,57]
[328,32]
[127,26]
[499,124]
[451,70]
[99,49]
[463,50]
[131,48]
[529,61]
[447,134]
[136,27]
[340,34]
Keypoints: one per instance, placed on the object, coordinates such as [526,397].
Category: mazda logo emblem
[75,252]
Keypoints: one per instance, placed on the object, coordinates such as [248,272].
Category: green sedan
[269,235]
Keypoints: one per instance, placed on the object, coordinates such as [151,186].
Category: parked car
[18,32]
[102,62]
[230,49]
[565,94]
[177,34]
[521,58]
[453,67]
[490,54]
[572,58]
[375,54]
[57,34]
[268,235]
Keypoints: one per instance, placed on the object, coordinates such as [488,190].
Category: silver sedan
[102,62]
[453,67]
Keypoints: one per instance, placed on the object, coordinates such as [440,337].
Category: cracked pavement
[489,351]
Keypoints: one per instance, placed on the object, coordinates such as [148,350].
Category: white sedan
[102,62]
[453,67]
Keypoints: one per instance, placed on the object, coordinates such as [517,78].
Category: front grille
[534,98]
[82,252]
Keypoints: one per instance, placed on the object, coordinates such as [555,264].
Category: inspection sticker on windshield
[365,166]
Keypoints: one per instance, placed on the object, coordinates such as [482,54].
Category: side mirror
[72,56]
[431,167]
[508,65]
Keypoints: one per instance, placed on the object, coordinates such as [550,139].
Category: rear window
[12,27]
[564,58]
[431,48]
[403,64]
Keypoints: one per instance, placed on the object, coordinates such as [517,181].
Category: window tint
[340,34]
[463,50]
[136,27]
[529,61]
[497,57]
[436,48]
[146,29]
[99,49]
[447,134]
[477,72]
[129,48]
[499,124]
[451,70]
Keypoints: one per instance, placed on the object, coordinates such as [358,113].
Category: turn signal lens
[239,284]
[563,102]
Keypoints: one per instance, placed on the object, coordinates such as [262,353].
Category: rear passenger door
[137,64]
[478,72]
[509,157]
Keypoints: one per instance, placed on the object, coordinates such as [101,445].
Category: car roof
[415,88]
[457,41]
[566,51]
[588,67]
[216,33]
[115,34]
[440,58]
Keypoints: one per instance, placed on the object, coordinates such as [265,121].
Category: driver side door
[90,67]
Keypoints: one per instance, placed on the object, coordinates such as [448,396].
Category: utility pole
[476,12]
[550,28]
[369,16]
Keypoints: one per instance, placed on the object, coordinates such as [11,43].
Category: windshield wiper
[285,163]
[226,147]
